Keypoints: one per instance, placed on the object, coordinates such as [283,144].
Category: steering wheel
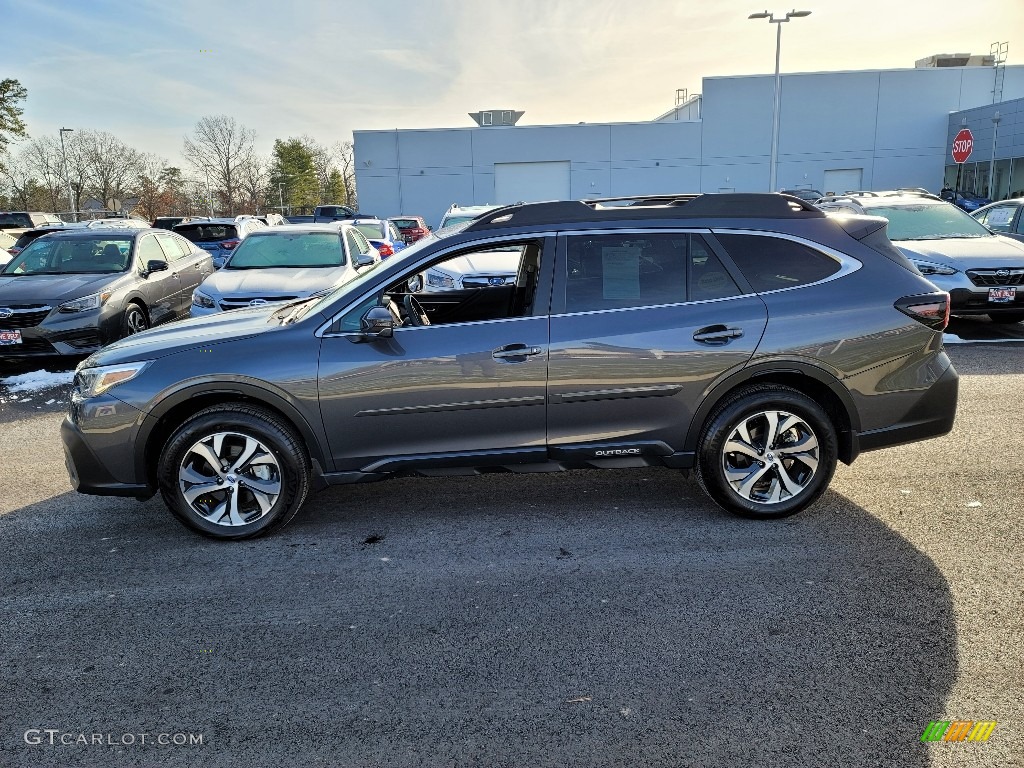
[414,310]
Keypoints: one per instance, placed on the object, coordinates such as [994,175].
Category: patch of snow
[38,380]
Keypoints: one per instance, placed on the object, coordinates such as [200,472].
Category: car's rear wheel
[768,451]
[1007,318]
[234,471]
[134,320]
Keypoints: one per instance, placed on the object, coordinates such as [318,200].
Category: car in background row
[810,195]
[965,201]
[272,219]
[751,338]
[72,292]
[29,235]
[283,264]
[983,272]
[300,219]
[168,222]
[412,228]
[382,234]
[328,213]
[16,222]
[1005,217]
[219,236]
[460,214]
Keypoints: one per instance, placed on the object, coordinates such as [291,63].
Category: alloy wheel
[770,457]
[230,479]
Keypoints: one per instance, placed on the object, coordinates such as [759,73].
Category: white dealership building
[869,129]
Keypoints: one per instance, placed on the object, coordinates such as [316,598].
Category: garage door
[843,180]
[530,182]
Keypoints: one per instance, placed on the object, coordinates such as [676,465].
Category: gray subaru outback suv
[747,337]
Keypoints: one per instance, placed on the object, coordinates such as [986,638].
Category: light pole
[209,194]
[775,111]
[992,162]
[67,176]
[280,195]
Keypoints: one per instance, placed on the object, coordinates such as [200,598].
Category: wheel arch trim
[249,391]
[761,371]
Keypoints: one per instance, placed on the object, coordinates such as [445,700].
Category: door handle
[515,352]
[717,334]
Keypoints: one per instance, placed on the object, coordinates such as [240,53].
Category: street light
[775,111]
[67,176]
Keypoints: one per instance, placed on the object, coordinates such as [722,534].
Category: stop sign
[962,146]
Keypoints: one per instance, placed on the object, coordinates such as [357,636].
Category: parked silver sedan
[285,263]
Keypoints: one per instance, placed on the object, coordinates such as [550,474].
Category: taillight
[931,309]
[385,250]
[229,244]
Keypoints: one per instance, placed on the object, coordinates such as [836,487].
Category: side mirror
[378,323]
[155,265]
[363,260]
[430,228]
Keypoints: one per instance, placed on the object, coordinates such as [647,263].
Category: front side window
[172,247]
[150,250]
[91,255]
[638,270]
[292,250]
[770,263]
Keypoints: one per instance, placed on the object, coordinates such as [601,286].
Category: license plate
[1001,295]
[10,337]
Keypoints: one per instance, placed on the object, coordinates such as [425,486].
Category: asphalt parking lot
[599,619]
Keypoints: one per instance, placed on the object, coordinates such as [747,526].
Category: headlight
[95,301]
[927,268]
[95,381]
[439,279]
[202,300]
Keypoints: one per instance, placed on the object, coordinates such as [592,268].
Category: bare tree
[220,146]
[347,165]
[43,157]
[19,177]
[113,167]
[254,179]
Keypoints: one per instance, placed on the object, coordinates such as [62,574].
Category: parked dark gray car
[748,337]
[71,292]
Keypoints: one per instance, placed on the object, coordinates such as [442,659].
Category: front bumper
[88,474]
[68,334]
[966,298]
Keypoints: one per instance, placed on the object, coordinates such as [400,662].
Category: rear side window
[638,270]
[207,233]
[14,220]
[771,263]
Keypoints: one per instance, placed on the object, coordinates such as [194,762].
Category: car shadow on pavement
[600,619]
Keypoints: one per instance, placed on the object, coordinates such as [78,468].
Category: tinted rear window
[207,233]
[771,263]
[406,223]
[14,220]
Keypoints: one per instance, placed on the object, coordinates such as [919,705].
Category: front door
[458,393]
[161,289]
[642,324]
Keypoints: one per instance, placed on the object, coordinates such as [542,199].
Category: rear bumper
[931,416]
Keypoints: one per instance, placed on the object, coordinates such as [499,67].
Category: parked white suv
[460,214]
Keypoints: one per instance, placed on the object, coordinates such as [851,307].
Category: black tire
[1007,318]
[750,407]
[134,320]
[283,460]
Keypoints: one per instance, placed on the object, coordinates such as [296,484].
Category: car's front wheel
[768,451]
[234,471]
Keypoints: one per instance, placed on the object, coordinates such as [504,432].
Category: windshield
[207,233]
[78,256]
[929,222]
[372,231]
[292,249]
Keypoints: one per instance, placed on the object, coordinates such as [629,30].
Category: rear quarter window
[772,263]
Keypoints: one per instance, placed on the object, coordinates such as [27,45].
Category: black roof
[681,206]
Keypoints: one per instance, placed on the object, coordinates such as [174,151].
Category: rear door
[642,323]
[191,266]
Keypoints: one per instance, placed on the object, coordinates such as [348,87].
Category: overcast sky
[146,71]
